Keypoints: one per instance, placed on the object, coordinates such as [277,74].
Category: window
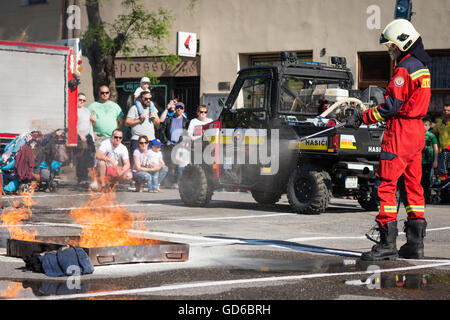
[274,59]
[374,69]
[440,79]
[303,96]
[254,91]
[253,94]
[32,2]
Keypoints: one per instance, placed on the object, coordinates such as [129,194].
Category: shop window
[374,69]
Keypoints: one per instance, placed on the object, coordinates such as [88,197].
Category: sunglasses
[203,112]
[82,100]
[116,137]
[106,92]
[147,99]
[143,142]
[179,107]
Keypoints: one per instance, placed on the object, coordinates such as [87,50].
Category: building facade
[233,34]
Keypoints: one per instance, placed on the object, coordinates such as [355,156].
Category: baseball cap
[156,142]
[145,79]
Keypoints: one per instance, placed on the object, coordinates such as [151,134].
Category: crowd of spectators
[101,157]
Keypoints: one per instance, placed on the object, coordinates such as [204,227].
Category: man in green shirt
[429,158]
[108,116]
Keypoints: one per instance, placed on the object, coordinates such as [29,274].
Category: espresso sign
[135,68]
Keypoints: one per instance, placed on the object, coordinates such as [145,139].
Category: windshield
[303,96]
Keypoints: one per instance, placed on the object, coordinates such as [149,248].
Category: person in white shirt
[141,172]
[201,119]
[85,151]
[158,169]
[108,157]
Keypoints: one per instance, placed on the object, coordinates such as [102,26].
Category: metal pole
[322,132]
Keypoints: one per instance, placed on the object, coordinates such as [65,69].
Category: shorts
[112,172]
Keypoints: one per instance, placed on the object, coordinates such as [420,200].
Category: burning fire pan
[157,251]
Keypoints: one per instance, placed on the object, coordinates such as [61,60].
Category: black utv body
[258,143]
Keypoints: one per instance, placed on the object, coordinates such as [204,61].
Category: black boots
[415,232]
[386,247]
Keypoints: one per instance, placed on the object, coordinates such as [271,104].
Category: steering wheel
[344,112]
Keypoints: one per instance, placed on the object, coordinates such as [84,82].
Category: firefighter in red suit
[407,98]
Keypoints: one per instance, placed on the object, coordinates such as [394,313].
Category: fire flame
[12,291]
[13,217]
[105,223]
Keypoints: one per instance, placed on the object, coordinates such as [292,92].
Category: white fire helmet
[400,32]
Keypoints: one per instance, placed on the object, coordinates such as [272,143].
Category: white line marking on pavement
[351,237]
[250,281]
[232,217]
[102,207]
[52,195]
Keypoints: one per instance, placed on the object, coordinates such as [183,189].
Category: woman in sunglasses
[141,173]
[202,119]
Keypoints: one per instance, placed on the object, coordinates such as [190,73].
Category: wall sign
[186,44]
[135,68]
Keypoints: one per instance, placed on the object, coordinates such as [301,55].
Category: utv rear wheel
[193,188]
[266,198]
[308,191]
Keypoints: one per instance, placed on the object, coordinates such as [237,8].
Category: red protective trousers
[407,98]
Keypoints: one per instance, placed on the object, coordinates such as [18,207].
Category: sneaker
[133,186]
[158,190]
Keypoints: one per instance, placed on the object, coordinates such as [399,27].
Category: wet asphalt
[238,250]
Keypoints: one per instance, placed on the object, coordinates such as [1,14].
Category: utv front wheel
[307,190]
[193,188]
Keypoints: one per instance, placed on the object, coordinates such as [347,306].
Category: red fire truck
[38,89]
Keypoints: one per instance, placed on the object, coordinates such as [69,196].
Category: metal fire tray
[158,251]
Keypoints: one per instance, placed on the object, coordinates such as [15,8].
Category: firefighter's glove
[354,121]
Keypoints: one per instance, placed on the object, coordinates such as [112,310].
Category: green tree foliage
[103,41]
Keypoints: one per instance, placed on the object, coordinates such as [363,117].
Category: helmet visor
[383,40]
